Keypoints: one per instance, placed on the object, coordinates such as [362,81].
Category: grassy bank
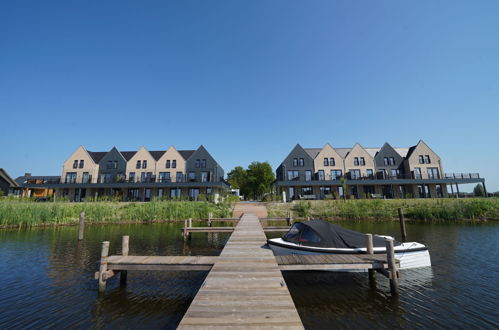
[417,209]
[26,214]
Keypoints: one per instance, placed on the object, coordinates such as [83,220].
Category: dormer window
[356,161]
[75,164]
[82,163]
[326,162]
[144,164]
[168,163]
[174,163]
[427,159]
[421,159]
[138,164]
[331,161]
[362,161]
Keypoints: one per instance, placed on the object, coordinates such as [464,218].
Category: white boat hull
[419,257]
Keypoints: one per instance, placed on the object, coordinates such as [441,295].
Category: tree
[479,191]
[253,182]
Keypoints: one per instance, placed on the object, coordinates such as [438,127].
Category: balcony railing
[383,176]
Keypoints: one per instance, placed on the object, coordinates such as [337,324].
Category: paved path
[245,288]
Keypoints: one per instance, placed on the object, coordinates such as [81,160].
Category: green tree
[253,182]
[479,191]
[237,177]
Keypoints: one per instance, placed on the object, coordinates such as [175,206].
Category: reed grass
[379,209]
[28,213]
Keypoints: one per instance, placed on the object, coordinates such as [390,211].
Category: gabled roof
[128,154]
[7,178]
[97,155]
[157,154]
[312,152]
[402,151]
[343,152]
[186,154]
[372,151]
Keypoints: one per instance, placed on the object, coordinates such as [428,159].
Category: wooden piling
[103,266]
[370,250]
[402,224]
[392,266]
[290,219]
[209,219]
[82,226]
[124,252]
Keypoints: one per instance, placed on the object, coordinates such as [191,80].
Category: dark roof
[186,154]
[22,179]
[97,155]
[128,154]
[7,178]
[157,154]
[312,152]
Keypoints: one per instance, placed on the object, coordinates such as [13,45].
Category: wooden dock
[244,287]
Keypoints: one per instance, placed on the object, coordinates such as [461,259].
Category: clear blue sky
[248,79]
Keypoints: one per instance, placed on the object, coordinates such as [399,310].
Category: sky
[248,79]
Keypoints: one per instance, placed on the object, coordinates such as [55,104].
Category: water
[46,281]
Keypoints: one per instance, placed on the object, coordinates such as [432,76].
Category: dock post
[190,225]
[392,266]
[370,250]
[185,229]
[103,265]
[82,226]
[209,219]
[402,224]
[290,219]
[124,252]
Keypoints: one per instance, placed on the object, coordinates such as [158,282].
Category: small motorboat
[322,237]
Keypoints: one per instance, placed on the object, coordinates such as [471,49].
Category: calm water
[46,281]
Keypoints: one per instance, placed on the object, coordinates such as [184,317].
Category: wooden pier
[244,286]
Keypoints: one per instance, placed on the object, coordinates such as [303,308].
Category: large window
[85,178]
[308,175]
[164,177]
[179,177]
[205,176]
[192,176]
[321,175]
[307,191]
[70,177]
[395,173]
[293,175]
[336,174]
[131,177]
[355,174]
[417,173]
[193,193]
[433,173]
[369,173]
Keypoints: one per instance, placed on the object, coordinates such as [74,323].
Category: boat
[322,237]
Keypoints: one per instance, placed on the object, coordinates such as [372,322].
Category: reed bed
[27,214]
[379,209]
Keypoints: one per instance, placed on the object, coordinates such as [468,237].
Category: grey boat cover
[320,233]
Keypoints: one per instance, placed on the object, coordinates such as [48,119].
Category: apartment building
[360,172]
[138,175]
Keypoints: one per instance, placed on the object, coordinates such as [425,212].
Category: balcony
[382,177]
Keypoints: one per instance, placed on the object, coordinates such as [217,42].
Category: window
[205,177]
[203,163]
[356,161]
[433,173]
[164,177]
[295,162]
[174,192]
[138,164]
[302,162]
[161,192]
[144,164]
[192,176]
[336,174]
[392,161]
[308,175]
[362,161]
[307,191]
[369,172]
[85,178]
[109,165]
[70,177]
[417,173]
[394,173]
[143,177]
[167,164]
[293,175]
[331,161]
[308,236]
[174,163]
[326,162]
[294,233]
[193,193]
[321,174]
[75,164]
[355,174]
[426,159]
[325,191]
[131,177]
[209,191]
[115,164]
[198,163]
[385,161]
[179,177]
[421,159]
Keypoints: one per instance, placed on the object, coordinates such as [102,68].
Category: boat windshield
[301,234]
[293,234]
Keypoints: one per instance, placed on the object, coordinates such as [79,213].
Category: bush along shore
[28,213]
[475,209]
